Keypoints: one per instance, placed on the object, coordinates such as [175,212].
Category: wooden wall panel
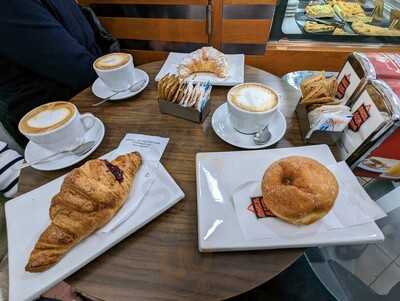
[217,16]
[250,2]
[245,31]
[283,57]
[173,30]
[179,2]
[141,57]
[160,2]
[278,62]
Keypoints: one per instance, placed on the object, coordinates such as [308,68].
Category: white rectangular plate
[28,215]
[235,63]
[218,175]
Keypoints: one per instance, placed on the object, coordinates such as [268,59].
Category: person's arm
[34,39]
[10,161]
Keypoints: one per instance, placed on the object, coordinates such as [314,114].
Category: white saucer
[102,91]
[34,151]
[223,128]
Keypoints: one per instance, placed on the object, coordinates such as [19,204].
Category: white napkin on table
[151,149]
[352,207]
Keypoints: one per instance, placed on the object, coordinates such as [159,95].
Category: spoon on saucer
[77,151]
[133,88]
[262,136]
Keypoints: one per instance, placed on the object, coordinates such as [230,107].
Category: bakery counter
[367,22]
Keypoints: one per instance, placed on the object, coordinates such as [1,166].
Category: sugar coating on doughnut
[299,190]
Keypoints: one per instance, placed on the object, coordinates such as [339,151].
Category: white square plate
[28,215]
[235,63]
[218,175]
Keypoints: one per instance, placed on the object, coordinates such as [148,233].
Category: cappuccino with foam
[116,70]
[56,126]
[112,61]
[47,117]
[253,97]
[251,107]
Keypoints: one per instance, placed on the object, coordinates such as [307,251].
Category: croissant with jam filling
[89,198]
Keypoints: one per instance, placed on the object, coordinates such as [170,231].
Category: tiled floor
[387,279]
[390,227]
[297,283]
[390,276]
[376,266]
[366,262]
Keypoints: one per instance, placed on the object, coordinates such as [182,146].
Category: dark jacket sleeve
[34,39]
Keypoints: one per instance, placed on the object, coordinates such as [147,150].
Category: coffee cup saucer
[34,151]
[100,89]
[223,128]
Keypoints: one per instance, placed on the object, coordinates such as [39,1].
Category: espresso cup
[116,70]
[251,106]
[56,126]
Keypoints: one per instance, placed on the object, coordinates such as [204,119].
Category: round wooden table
[161,260]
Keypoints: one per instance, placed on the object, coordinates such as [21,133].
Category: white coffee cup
[56,126]
[251,106]
[116,70]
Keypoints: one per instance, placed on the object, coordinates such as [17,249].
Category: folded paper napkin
[352,207]
[151,148]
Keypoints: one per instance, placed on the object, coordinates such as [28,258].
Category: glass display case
[363,21]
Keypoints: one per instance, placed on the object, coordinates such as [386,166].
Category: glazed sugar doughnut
[299,190]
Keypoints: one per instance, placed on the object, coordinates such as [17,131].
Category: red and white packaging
[371,142]
[362,67]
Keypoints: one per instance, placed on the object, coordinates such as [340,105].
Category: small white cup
[248,122]
[120,78]
[65,137]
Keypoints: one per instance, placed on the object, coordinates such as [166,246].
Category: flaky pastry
[206,59]
[320,11]
[314,27]
[89,198]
